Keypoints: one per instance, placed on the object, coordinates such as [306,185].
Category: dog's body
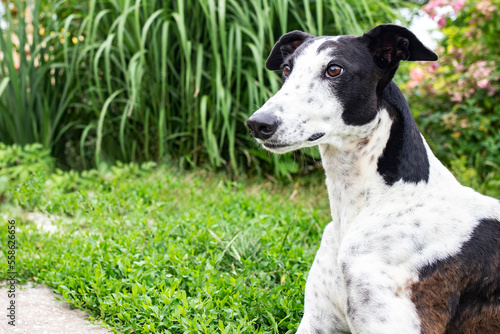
[409,249]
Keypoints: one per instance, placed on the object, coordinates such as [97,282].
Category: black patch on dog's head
[355,88]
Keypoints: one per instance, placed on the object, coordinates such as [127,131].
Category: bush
[141,80]
[456,100]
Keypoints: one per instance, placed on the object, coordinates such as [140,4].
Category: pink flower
[482,63]
[429,10]
[439,10]
[486,7]
[483,83]
[456,97]
[432,67]
[458,5]
[412,84]
[417,74]
[441,22]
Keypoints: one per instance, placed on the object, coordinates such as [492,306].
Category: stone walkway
[36,309]
[37,312]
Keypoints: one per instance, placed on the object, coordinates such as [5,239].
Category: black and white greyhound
[409,249]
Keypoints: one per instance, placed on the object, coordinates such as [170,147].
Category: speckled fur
[370,272]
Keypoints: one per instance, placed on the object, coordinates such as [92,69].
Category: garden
[122,124]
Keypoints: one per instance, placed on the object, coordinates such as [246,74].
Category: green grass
[151,250]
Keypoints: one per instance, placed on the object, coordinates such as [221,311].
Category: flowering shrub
[456,99]
[439,9]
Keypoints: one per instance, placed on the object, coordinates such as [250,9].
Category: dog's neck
[351,172]
[390,149]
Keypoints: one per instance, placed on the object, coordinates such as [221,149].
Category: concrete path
[37,312]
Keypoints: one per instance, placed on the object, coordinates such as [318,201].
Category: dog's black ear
[390,43]
[286,45]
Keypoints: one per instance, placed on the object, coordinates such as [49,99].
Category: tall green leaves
[36,86]
[136,80]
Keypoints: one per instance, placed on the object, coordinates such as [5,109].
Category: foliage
[36,80]
[148,250]
[137,80]
[19,164]
[456,100]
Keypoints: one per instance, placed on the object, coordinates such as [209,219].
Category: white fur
[367,260]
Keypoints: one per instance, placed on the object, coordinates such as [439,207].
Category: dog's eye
[286,70]
[334,71]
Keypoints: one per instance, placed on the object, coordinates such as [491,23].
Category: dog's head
[331,85]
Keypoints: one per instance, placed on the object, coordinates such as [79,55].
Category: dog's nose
[262,126]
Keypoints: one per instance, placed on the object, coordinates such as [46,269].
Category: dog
[409,249]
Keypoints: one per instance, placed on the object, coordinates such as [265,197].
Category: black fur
[404,156]
[359,101]
[285,46]
[389,44]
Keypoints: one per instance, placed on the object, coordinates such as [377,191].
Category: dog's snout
[262,126]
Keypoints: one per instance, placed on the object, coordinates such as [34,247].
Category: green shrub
[457,100]
[137,80]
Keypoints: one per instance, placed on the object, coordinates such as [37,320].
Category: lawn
[151,249]
[155,250]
